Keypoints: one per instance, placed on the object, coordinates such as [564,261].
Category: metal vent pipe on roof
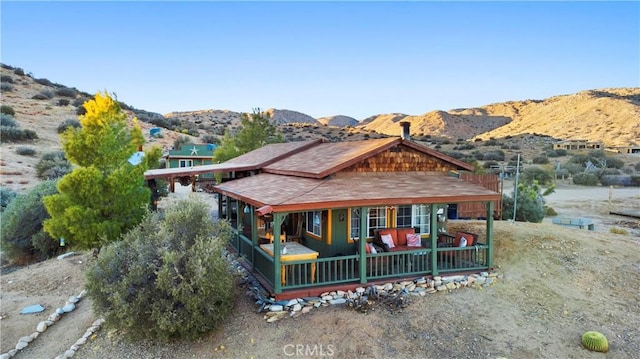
[405,134]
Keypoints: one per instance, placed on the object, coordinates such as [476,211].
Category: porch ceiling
[289,193]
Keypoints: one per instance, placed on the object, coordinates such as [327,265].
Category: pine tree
[256,130]
[105,195]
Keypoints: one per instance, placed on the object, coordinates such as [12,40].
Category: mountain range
[608,115]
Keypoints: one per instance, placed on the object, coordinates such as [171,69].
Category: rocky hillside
[280,117]
[339,121]
[608,115]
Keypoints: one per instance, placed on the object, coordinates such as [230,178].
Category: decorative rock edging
[24,342]
[394,293]
[95,326]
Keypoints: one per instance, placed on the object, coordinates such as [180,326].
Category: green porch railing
[463,258]
[345,269]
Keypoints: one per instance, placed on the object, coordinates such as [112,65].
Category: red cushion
[402,235]
[366,248]
[392,232]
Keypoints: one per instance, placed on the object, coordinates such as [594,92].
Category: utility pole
[515,189]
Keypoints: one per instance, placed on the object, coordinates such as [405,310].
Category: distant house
[574,145]
[191,155]
[630,150]
[329,203]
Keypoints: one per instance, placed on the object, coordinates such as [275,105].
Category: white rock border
[24,342]
[398,291]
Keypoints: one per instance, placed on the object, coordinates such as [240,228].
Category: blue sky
[325,58]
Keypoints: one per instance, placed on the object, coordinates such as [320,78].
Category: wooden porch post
[254,233]
[362,242]
[490,233]
[172,184]
[277,271]
[227,208]
[193,183]
[434,239]
[220,199]
[239,224]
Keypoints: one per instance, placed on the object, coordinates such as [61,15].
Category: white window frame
[376,222]
[314,223]
[185,163]
[421,217]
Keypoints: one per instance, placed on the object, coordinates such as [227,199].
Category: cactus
[595,341]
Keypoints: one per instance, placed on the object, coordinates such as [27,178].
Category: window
[377,219]
[314,223]
[355,223]
[416,216]
[404,216]
[422,218]
[185,163]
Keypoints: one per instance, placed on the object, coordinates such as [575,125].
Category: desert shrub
[14,134]
[167,278]
[7,110]
[44,82]
[586,179]
[181,141]
[52,165]
[573,168]
[79,101]
[616,230]
[637,167]
[80,111]
[454,154]
[70,122]
[6,79]
[556,153]
[66,92]
[549,211]
[45,94]
[608,172]
[22,224]
[614,163]
[540,160]
[497,155]
[492,142]
[5,87]
[531,174]
[25,151]
[62,102]
[615,180]
[211,139]
[528,209]
[6,196]
[7,120]
[18,71]
[464,146]
[635,180]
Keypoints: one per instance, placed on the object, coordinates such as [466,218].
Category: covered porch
[320,247]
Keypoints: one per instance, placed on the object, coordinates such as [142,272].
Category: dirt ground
[556,284]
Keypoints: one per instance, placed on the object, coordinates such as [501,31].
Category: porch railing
[346,269]
[470,258]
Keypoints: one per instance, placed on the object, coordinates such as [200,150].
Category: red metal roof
[290,193]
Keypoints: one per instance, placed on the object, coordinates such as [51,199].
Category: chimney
[405,135]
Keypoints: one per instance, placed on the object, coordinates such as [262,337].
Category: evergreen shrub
[167,278]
